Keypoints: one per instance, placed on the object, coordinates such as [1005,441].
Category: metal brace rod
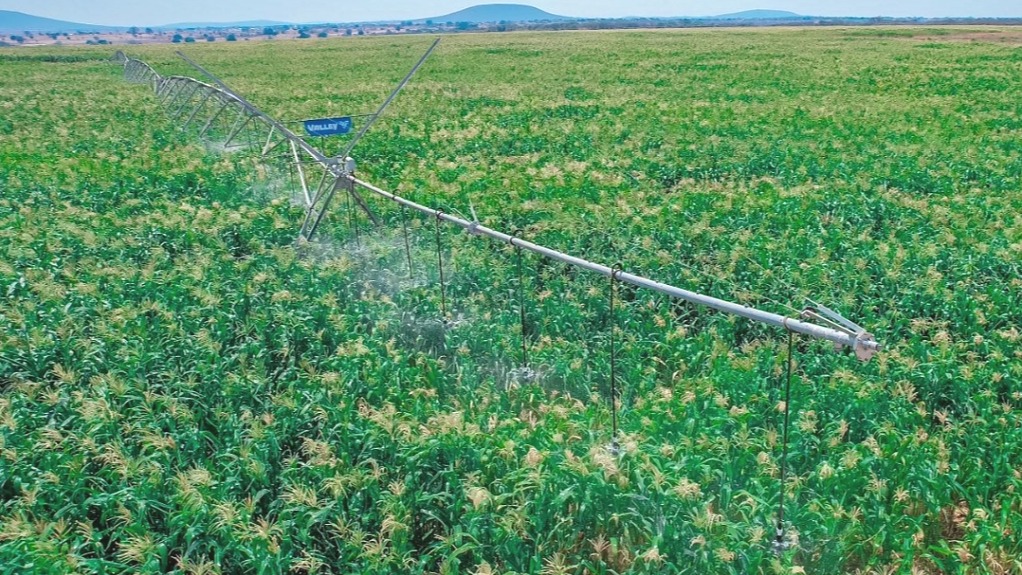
[184,103]
[319,188]
[179,93]
[161,89]
[864,344]
[166,86]
[195,112]
[196,96]
[174,92]
[243,121]
[209,123]
[390,98]
[271,149]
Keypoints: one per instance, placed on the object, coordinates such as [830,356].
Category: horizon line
[275,22]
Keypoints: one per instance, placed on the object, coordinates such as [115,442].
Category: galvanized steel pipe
[863,344]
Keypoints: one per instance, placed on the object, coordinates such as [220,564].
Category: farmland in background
[183,389]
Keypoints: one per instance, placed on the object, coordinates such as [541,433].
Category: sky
[159,12]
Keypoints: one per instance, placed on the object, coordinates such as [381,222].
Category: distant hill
[499,13]
[18,22]
[245,24]
[758,15]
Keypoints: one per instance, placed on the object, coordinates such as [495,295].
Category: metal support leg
[440,266]
[521,308]
[408,246]
[301,175]
[269,138]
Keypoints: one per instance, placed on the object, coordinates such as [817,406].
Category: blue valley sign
[328,126]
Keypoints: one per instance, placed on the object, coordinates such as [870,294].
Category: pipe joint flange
[866,346]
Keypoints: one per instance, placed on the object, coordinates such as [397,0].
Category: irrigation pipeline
[840,331]
[864,344]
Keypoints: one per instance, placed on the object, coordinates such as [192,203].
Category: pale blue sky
[157,12]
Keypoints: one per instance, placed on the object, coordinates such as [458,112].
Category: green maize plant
[186,389]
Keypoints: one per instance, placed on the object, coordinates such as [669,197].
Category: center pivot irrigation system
[192,99]
[222,111]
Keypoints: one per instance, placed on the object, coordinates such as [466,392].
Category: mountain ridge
[16,23]
[483,13]
[756,15]
[19,22]
[240,24]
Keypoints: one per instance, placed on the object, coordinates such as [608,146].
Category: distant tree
[177,39]
[232,38]
[303,34]
[18,39]
[361,31]
[210,38]
[269,31]
[189,40]
[465,26]
[429,22]
[148,30]
[322,34]
[133,30]
[347,32]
